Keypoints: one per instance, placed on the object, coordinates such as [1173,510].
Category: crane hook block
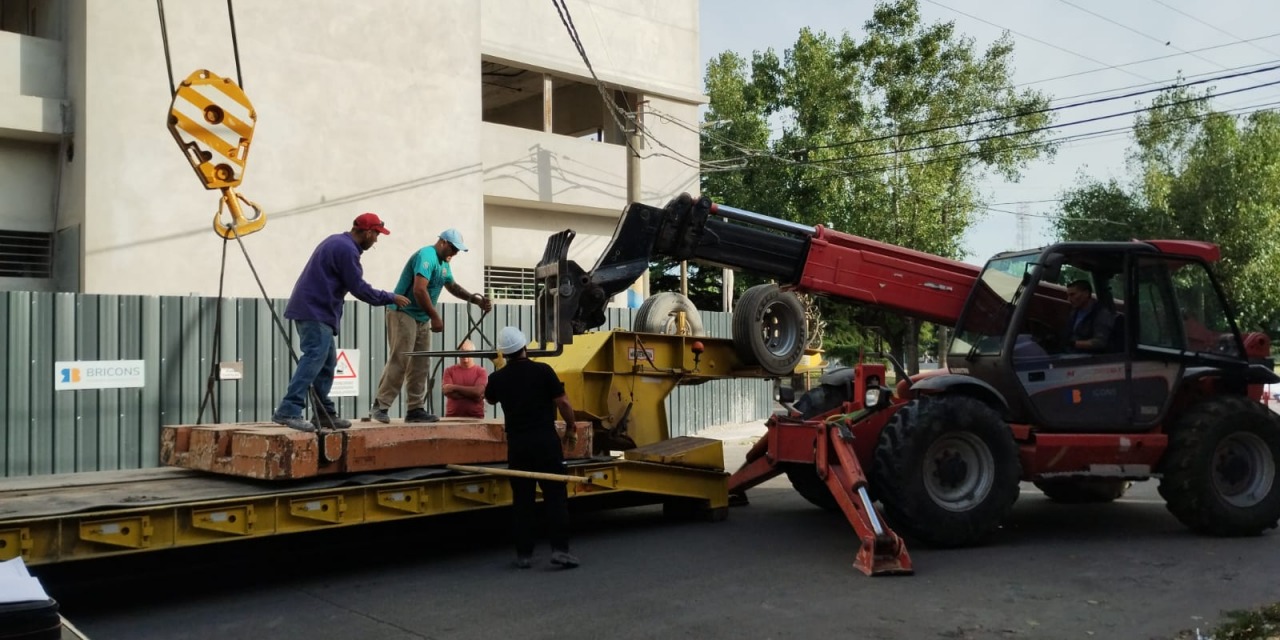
[212,120]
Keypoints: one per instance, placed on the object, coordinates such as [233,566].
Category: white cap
[511,340]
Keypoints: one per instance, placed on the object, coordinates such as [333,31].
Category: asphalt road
[778,568]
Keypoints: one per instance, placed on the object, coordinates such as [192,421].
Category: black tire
[1220,468]
[821,399]
[804,477]
[1083,490]
[946,470]
[769,329]
[658,315]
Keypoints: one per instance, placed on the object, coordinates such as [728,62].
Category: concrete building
[474,114]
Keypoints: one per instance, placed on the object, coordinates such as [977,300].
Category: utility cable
[1238,39]
[1116,67]
[235,43]
[728,163]
[164,38]
[614,110]
[1166,43]
[1062,140]
[1073,105]
[316,405]
[210,385]
[1108,116]
[1035,39]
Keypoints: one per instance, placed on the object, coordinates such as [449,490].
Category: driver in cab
[1089,323]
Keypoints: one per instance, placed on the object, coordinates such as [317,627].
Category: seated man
[1089,326]
[464,385]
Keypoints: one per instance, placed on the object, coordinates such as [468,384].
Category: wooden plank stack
[267,451]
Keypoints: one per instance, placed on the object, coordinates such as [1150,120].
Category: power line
[1046,109]
[614,110]
[998,204]
[1043,42]
[763,153]
[1108,116]
[1224,45]
[1167,43]
[1060,140]
[1250,42]
[1050,217]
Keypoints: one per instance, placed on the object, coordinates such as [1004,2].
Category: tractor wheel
[804,477]
[1220,469]
[658,315]
[946,470]
[1083,490]
[821,399]
[769,329]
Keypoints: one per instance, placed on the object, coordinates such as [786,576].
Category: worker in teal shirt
[409,327]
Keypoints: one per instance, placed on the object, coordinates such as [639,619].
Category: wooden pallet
[268,451]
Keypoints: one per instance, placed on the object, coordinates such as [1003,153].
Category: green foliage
[1197,175]
[1250,625]
[884,137]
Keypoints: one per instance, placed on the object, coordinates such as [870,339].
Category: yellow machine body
[621,379]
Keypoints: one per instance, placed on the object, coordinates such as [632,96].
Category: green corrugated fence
[48,431]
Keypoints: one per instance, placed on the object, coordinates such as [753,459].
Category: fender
[1253,374]
[968,385]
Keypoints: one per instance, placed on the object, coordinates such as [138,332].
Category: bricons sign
[99,374]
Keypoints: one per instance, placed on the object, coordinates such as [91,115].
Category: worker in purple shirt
[315,307]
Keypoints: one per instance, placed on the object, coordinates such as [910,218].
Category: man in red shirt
[464,385]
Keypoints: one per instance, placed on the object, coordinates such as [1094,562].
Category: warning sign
[346,377]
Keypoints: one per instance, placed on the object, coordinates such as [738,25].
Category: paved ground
[778,568]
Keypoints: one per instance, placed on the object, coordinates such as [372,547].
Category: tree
[1202,175]
[885,137]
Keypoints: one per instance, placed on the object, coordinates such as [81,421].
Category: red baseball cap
[370,222]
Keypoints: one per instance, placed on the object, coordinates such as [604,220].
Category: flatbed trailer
[59,518]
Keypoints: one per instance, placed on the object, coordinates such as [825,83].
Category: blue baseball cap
[454,238]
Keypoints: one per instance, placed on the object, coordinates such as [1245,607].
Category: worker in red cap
[409,326]
[315,307]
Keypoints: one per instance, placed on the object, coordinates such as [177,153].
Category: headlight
[872,399]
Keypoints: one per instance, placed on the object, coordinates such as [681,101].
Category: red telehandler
[1173,394]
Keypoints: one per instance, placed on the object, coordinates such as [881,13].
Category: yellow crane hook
[212,121]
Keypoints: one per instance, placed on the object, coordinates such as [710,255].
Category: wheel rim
[780,332]
[671,325]
[1243,469]
[959,471]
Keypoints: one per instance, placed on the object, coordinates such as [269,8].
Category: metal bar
[759,219]
[516,473]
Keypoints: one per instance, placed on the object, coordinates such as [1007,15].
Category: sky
[1093,41]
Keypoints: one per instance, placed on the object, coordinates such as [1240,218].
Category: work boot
[420,415]
[330,421]
[524,562]
[380,415]
[564,559]
[294,422]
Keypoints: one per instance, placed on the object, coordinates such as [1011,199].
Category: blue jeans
[315,369]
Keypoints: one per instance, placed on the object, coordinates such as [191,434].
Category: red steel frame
[828,444]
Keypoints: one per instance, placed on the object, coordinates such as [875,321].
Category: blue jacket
[333,271]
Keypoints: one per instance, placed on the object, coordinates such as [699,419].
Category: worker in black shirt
[530,393]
